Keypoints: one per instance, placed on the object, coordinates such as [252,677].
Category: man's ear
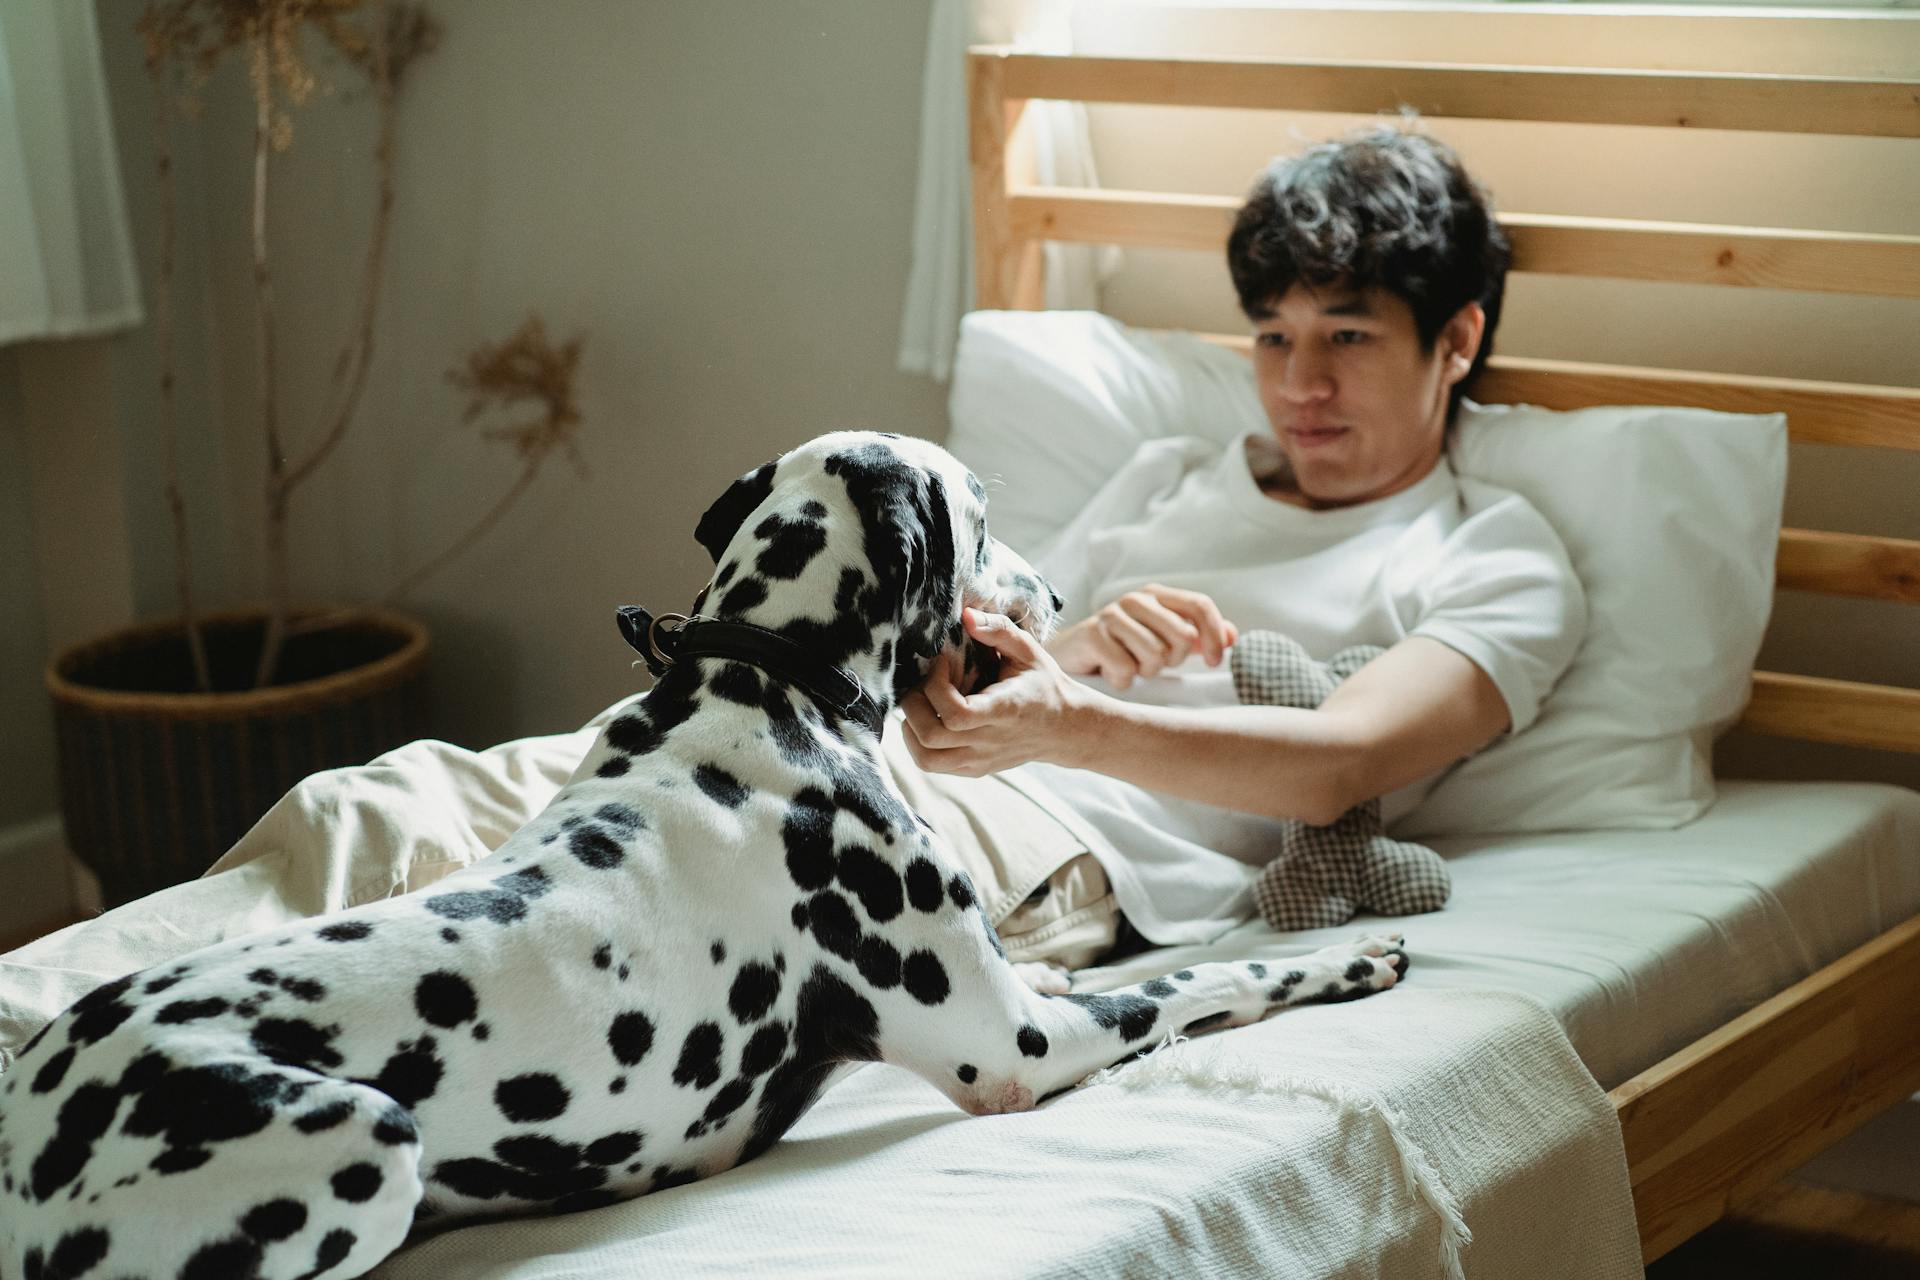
[731,509]
[1460,340]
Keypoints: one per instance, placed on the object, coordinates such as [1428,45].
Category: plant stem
[163,323]
[355,359]
[276,485]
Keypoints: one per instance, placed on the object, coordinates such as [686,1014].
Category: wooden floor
[1792,1232]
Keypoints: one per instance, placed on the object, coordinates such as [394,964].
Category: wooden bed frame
[1728,1115]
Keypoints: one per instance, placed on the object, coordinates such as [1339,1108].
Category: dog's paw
[1046,979]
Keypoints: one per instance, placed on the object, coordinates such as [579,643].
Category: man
[1372,272]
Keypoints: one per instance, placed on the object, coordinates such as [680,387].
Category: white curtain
[66,263]
[940,284]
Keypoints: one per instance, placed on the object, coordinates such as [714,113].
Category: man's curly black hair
[1384,207]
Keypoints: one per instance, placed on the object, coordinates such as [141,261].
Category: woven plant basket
[158,780]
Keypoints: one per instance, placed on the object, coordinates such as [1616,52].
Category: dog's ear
[731,509]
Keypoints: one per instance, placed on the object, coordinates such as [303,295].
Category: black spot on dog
[1184,975]
[528,882]
[699,1063]
[807,832]
[878,961]
[1134,1016]
[748,593]
[295,1042]
[968,1073]
[603,956]
[613,1148]
[1159,987]
[718,951]
[345,931]
[200,1106]
[1360,969]
[1032,1041]
[630,1036]
[357,1183]
[596,848]
[179,1160]
[74,1254]
[52,1072]
[503,903]
[99,1013]
[833,922]
[323,1118]
[764,1049]
[160,984]
[1257,969]
[534,1096]
[303,989]
[923,885]
[190,1010]
[224,1260]
[868,877]
[792,546]
[274,1220]
[666,1177]
[925,978]
[613,767]
[412,1074]
[960,889]
[333,1250]
[622,816]
[754,990]
[740,683]
[445,999]
[265,977]
[721,1106]
[814,509]
[721,787]
[396,1127]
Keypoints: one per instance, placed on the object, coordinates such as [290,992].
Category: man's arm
[1404,716]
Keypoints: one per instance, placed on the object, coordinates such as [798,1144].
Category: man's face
[1358,408]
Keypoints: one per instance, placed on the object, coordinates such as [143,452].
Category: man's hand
[1027,714]
[1143,632]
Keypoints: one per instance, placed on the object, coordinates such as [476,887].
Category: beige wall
[719,196]
[1683,175]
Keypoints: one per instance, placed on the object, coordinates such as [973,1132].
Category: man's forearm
[1281,762]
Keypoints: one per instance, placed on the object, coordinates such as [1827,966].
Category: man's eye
[1271,339]
[1348,337]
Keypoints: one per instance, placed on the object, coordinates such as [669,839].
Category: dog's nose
[1058,603]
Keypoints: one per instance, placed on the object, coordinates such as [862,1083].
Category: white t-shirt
[1470,565]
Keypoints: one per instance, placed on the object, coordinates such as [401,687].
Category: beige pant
[1047,897]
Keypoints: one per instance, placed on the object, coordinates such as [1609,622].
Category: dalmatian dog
[649,983]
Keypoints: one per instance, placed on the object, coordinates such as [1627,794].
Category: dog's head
[864,547]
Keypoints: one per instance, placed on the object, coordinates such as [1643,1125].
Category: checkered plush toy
[1323,875]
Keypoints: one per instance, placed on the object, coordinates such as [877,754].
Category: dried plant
[185,40]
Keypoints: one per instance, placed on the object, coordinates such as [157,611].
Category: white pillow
[1671,517]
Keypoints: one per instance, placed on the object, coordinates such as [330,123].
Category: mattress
[1640,942]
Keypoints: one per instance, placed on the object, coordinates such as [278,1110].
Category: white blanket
[1332,1140]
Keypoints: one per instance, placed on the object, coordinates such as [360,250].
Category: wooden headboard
[1012,217]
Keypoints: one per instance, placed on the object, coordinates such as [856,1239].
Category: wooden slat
[1547,244]
[1568,95]
[1818,412]
[1849,564]
[1822,710]
[1731,1113]
[991,119]
[1846,413]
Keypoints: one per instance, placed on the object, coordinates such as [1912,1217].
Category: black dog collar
[666,639]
